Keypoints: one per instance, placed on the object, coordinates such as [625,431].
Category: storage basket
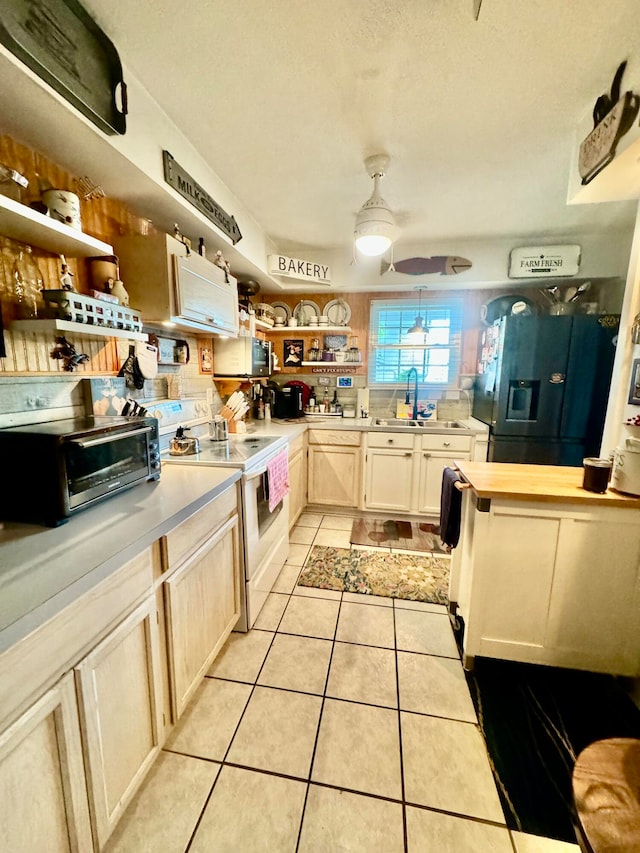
[78,308]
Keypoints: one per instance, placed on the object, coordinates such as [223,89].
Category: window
[434,352]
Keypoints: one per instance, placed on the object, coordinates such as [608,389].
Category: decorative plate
[338,312]
[304,310]
[281,309]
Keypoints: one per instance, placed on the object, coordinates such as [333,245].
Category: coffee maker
[288,402]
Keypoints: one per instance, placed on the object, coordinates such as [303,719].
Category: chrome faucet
[415,392]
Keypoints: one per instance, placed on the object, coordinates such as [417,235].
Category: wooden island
[546,572]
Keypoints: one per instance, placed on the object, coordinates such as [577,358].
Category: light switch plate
[324,380]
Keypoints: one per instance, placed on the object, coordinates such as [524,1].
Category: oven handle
[255,476]
[106,439]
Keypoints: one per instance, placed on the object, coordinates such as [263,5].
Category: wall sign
[183,183]
[544,261]
[345,369]
[296,268]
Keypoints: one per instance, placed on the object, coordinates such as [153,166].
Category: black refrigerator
[542,387]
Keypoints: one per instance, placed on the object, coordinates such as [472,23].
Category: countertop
[540,483]
[293,428]
[43,569]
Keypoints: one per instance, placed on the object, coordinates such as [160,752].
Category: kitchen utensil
[546,295]
[554,292]
[569,293]
[582,289]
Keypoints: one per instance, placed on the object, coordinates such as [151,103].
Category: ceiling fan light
[375,228]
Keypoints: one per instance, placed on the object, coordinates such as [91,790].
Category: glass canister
[354,352]
[314,351]
[27,283]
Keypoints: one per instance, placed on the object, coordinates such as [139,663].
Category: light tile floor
[341,722]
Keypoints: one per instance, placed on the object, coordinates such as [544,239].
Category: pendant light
[418,327]
[375,228]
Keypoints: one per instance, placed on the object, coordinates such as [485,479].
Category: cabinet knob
[390,441]
[408,454]
[426,455]
[447,443]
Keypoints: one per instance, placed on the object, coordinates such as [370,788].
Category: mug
[292,321]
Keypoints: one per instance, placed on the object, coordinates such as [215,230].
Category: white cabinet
[403,472]
[297,478]
[334,467]
[43,798]
[437,452]
[552,584]
[168,287]
[389,472]
[202,605]
[119,693]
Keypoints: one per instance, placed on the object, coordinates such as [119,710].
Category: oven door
[266,543]
[103,464]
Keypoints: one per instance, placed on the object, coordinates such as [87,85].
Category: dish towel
[278,478]
[450,508]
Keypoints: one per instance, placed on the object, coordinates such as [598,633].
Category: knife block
[227,414]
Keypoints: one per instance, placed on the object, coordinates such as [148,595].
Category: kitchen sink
[422,425]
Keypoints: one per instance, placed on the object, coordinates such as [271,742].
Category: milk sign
[544,261]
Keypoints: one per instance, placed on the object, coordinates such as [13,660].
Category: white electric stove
[265,532]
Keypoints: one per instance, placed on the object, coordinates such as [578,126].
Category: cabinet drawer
[186,537]
[296,445]
[334,437]
[447,441]
[391,440]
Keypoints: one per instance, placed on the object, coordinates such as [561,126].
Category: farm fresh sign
[544,261]
[296,268]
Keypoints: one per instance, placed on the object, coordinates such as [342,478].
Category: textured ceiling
[285,99]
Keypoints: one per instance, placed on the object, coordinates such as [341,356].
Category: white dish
[338,312]
[281,310]
[304,310]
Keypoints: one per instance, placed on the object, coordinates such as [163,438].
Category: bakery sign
[296,268]
[544,261]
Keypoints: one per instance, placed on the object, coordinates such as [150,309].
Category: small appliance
[288,403]
[68,465]
[243,356]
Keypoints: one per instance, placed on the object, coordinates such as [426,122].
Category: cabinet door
[119,695]
[334,475]
[430,480]
[389,480]
[297,471]
[43,799]
[203,600]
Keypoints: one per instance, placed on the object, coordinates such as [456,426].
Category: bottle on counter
[325,402]
[311,405]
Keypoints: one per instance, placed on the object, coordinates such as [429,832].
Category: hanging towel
[278,478]
[450,508]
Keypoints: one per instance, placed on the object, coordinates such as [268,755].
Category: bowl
[292,322]
[323,320]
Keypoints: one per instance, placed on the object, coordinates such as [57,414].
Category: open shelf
[25,225]
[293,329]
[83,329]
[352,365]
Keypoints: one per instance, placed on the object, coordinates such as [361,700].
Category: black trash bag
[131,370]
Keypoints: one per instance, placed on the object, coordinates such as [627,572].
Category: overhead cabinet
[168,285]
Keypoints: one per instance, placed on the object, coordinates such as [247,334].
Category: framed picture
[634,389]
[205,357]
[293,353]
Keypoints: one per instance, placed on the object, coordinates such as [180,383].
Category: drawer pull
[446,443]
[426,455]
[390,441]
[408,454]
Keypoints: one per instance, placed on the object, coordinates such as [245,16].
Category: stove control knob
[158,414]
[153,445]
[155,465]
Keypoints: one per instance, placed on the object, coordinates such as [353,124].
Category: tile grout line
[315,743]
[402,787]
[235,731]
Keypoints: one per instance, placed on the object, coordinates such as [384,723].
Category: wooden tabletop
[544,483]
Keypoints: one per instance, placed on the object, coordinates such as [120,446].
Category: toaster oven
[66,466]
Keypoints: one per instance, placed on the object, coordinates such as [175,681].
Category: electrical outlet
[324,380]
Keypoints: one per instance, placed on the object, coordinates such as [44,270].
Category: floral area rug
[419,577]
[389,533]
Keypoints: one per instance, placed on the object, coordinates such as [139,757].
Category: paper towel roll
[362,404]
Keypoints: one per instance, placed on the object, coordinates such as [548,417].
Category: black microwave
[66,466]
